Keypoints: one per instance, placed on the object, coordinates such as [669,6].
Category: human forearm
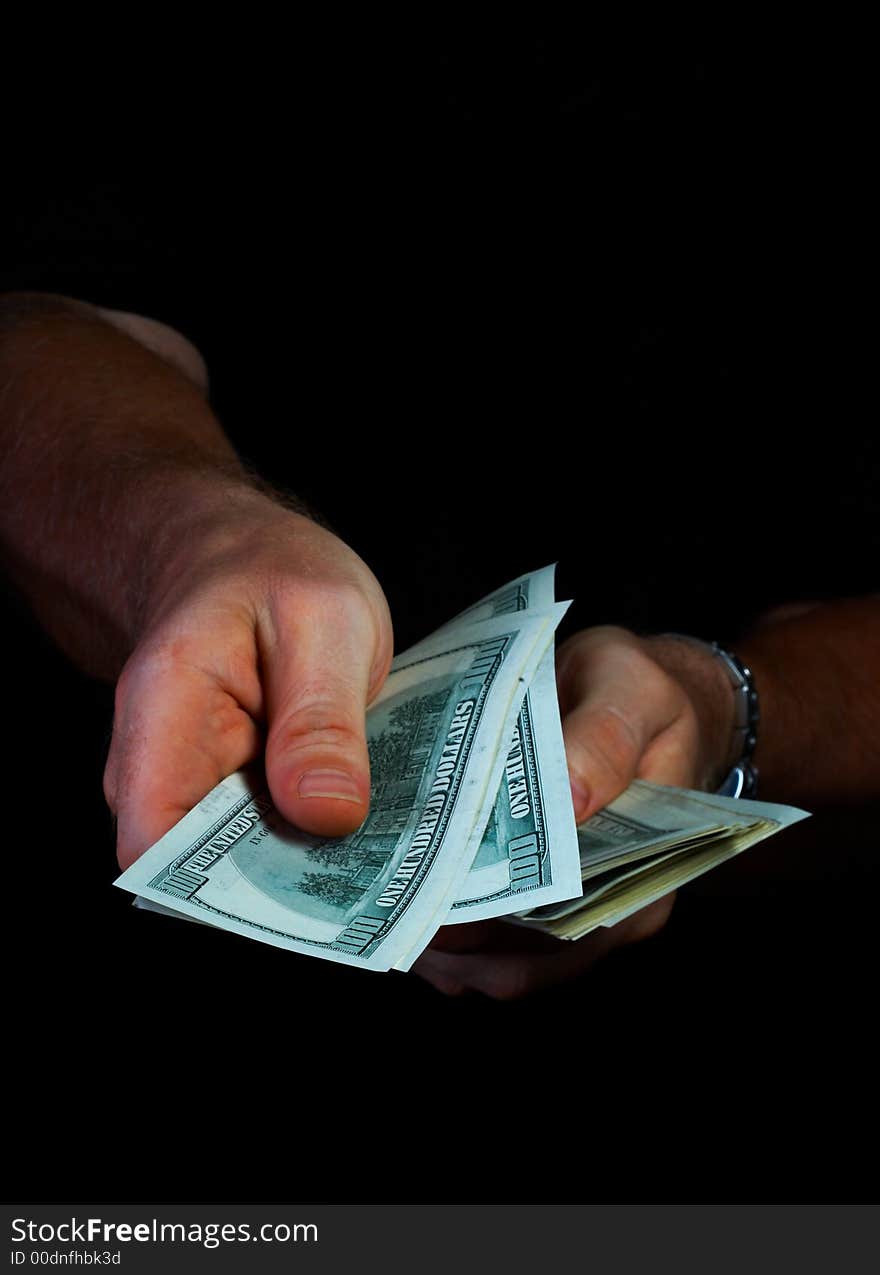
[818,678]
[245,629]
[111,458]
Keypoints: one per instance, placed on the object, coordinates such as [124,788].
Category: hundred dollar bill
[532,591]
[529,852]
[438,737]
[649,841]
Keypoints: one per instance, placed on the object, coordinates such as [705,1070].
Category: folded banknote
[471,815]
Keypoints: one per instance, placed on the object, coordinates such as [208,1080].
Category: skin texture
[277,638]
[234,623]
[661,709]
[654,709]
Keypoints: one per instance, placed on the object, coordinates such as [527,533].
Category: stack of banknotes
[470,817]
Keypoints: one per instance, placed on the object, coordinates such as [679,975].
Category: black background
[486,305]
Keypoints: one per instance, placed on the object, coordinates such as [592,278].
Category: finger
[463,938]
[176,735]
[510,975]
[618,702]
[488,937]
[440,983]
[671,758]
[320,666]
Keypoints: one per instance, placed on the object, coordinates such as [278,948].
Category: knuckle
[655,684]
[589,641]
[601,633]
[686,742]
[154,661]
[688,722]
[610,741]
[293,596]
[298,604]
[109,785]
[674,756]
[617,733]
[123,687]
[319,724]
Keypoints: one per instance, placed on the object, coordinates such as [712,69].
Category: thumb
[318,678]
[618,702]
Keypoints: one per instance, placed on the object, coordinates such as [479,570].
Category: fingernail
[579,795]
[329,783]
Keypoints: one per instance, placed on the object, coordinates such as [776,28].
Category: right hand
[264,631]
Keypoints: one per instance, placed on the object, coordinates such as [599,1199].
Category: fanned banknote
[470,815]
[649,841]
[439,737]
[529,854]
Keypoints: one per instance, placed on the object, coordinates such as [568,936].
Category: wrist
[234,537]
[711,695]
[194,523]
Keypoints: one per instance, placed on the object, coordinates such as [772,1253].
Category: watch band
[742,777]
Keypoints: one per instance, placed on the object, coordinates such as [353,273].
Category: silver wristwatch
[742,777]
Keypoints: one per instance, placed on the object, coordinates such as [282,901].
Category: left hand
[654,708]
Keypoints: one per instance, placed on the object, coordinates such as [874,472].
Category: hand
[506,962]
[655,708]
[263,629]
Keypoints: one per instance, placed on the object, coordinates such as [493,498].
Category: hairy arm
[818,677]
[110,450]
[661,708]
[231,619]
